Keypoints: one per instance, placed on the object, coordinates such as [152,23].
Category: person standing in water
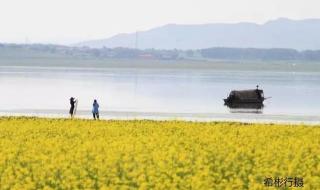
[95,110]
[72,104]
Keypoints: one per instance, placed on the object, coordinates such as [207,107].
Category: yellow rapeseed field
[85,154]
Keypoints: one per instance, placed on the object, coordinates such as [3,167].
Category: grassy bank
[194,65]
[86,154]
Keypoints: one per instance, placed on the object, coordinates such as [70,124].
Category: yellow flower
[141,154]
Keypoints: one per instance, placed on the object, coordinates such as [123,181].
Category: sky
[71,21]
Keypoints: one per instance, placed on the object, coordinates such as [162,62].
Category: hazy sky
[69,21]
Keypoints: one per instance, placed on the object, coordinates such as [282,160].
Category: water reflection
[245,108]
[165,91]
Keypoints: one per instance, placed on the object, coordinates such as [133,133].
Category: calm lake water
[146,92]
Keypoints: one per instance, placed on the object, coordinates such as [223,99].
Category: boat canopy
[247,94]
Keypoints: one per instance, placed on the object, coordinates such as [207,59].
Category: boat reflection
[245,108]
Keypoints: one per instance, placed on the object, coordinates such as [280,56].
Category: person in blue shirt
[95,110]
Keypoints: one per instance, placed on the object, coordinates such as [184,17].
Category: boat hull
[245,105]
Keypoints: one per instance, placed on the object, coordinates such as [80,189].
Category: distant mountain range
[280,33]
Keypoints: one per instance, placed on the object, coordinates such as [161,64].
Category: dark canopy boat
[245,98]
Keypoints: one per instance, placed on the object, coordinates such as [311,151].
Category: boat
[252,98]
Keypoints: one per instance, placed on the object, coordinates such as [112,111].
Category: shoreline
[184,117]
[183,65]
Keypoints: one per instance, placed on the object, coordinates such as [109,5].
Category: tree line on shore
[217,53]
